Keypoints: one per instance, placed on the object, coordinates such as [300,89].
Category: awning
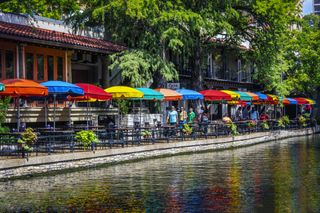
[170,95]
[93,92]
[61,88]
[23,88]
[215,95]
[234,95]
[190,94]
[150,94]
[124,92]
[244,96]
[253,96]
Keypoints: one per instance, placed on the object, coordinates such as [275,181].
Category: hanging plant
[146,134]
[265,125]
[233,128]
[187,129]
[302,121]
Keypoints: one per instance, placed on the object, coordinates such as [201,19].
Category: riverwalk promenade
[11,168]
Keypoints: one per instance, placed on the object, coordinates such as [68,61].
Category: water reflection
[273,177]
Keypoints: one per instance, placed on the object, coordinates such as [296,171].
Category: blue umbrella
[61,89]
[190,94]
[261,96]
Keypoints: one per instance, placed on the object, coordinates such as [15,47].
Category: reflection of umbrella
[62,90]
[92,92]
[124,92]
[18,88]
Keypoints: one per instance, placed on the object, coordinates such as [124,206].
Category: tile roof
[53,38]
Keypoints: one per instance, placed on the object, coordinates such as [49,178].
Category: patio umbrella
[92,92]
[61,90]
[170,95]
[215,95]
[150,94]
[253,96]
[244,96]
[21,88]
[190,94]
[234,95]
[2,87]
[124,92]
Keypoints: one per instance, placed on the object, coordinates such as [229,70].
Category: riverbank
[11,168]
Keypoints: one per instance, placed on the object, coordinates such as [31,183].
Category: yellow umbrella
[234,95]
[124,92]
[310,101]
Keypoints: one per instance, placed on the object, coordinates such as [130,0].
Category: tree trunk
[197,77]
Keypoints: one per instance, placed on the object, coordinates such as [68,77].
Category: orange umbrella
[170,95]
[17,88]
[23,88]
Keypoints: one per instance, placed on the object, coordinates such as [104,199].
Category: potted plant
[265,125]
[28,137]
[302,121]
[283,121]
[187,129]
[233,128]
[87,138]
[146,134]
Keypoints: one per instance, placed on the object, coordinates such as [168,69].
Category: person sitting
[264,116]
[226,119]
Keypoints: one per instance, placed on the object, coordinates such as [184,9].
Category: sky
[307,7]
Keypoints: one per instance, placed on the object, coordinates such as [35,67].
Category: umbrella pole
[140,112]
[87,115]
[45,112]
[54,111]
[18,114]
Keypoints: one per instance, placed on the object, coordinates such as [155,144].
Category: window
[9,64]
[50,67]
[40,66]
[60,68]
[29,66]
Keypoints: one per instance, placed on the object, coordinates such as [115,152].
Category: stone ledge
[40,164]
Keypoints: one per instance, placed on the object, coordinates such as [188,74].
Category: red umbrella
[93,92]
[215,95]
[301,101]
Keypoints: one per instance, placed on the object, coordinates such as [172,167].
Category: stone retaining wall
[10,168]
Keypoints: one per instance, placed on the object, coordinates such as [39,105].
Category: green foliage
[233,128]
[86,138]
[137,67]
[47,8]
[252,123]
[187,129]
[302,121]
[123,106]
[146,134]
[265,125]
[28,137]
[283,121]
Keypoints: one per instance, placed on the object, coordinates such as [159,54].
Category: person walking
[172,116]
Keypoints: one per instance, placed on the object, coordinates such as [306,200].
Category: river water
[281,176]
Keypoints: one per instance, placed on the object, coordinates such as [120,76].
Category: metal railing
[55,142]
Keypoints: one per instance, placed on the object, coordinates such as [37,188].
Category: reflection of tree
[234,184]
[282,179]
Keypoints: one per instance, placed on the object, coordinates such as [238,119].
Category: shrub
[265,125]
[187,129]
[233,128]
[86,138]
[28,137]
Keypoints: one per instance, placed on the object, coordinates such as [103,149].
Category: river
[281,176]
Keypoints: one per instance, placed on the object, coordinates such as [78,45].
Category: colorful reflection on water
[282,176]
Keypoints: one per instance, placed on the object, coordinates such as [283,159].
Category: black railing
[56,142]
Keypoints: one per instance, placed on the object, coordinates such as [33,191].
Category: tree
[46,8]
[171,27]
